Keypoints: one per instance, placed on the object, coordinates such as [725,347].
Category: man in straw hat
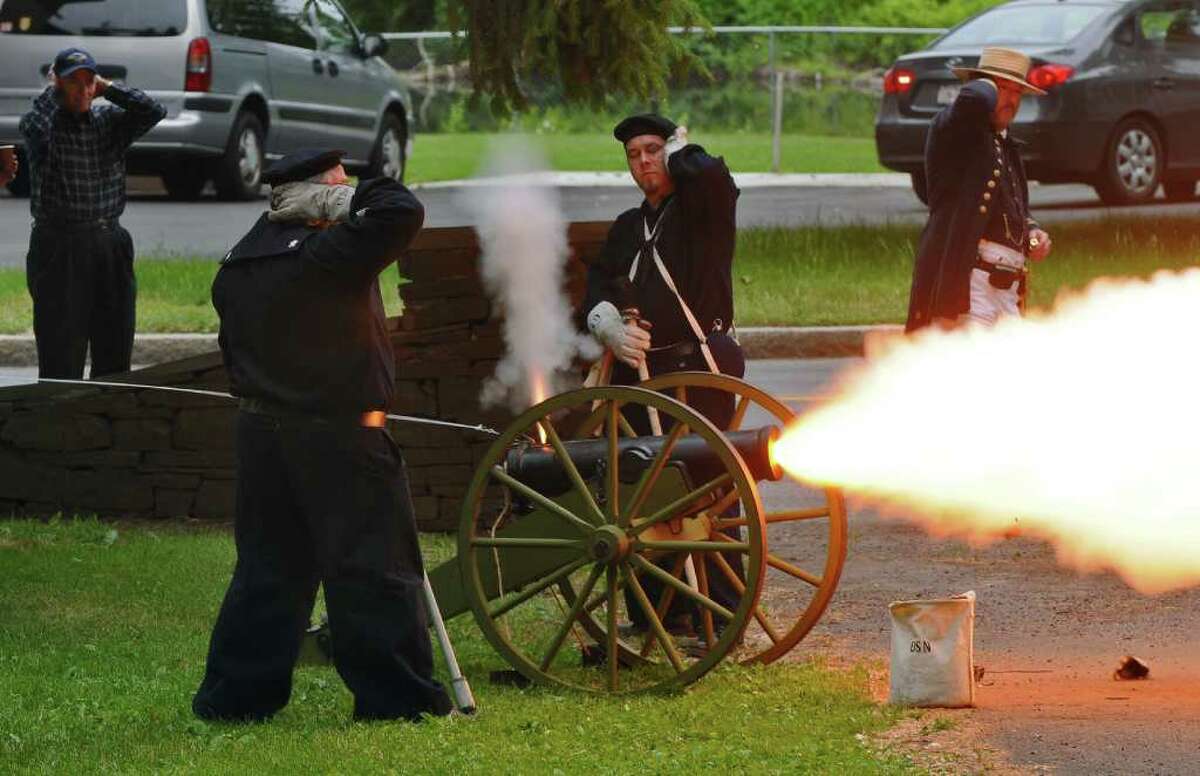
[970,264]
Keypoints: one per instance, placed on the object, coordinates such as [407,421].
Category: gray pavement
[207,228]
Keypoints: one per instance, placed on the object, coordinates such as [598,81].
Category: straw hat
[1001,63]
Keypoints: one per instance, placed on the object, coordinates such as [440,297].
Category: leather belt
[95,224]
[367,419]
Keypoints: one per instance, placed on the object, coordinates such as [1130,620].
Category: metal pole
[463,698]
[777,132]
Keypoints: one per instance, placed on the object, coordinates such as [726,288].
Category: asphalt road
[207,228]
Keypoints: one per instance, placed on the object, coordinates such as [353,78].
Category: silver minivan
[243,81]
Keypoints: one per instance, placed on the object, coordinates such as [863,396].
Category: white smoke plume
[524,250]
[1081,427]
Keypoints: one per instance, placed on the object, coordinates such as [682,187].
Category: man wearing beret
[660,296]
[322,494]
[970,264]
[79,268]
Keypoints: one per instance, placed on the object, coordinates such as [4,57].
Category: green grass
[861,275]
[454,156]
[106,627]
[805,276]
[174,295]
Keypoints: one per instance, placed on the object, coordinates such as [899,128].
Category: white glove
[628,341]
[304,201]
[677,140]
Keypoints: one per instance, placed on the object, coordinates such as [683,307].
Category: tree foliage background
[590,50]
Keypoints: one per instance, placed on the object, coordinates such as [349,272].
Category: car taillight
[898,80]
[198,76]
[1049,76]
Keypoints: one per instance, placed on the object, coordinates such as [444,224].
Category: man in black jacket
[322,495]
[671,261]
[971,261]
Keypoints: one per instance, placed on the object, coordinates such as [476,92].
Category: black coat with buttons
[960,163]
[302,318]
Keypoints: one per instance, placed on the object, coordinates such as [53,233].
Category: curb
[148,349]
[744,180]
[19,350]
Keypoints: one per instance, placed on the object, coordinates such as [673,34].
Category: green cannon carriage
[571,514]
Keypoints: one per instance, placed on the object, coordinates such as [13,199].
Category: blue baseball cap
[72,59]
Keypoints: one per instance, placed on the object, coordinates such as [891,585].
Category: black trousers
[718,407]
[321,502]
[84,292]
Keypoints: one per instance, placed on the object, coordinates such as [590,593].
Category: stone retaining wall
[146,453]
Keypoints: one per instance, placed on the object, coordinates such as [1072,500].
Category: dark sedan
[1122,111]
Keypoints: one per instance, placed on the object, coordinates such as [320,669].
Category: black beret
[301,165]
[644,124]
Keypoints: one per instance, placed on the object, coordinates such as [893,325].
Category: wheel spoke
[627,429]
[778,563]
[614,661]
[680,587]
[525,542]
[572,472]
[681,394]
[720,524]
[547,504]
[725,544]
[725,503]
[677,506]
[614,482]
[591,424]
[542,584]
[601,597]
[572,616]
[656,625]
[740,587]
[710,637]
[739,414]
[664,603]
[647,484]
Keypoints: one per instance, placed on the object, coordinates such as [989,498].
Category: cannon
[573,523]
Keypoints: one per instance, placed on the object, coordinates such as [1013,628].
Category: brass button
[996,173]
[991,184]
[987,196]
[983,208]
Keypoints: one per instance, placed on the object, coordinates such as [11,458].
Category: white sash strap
[652,241]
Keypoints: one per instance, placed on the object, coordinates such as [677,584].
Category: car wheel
[239,175]
[388,158]
[920,187]
[1180,191]
[184,182]
[19,186]
[1133,165]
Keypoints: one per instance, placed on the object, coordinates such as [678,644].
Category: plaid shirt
[77,162]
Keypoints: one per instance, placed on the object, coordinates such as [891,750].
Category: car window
[276,21]
[1171,24]
[1026,24]
[93,18]
[336,33]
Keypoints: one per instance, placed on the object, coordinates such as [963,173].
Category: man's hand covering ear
[304,201]
[677,140]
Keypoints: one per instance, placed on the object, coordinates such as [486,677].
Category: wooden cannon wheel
[599,542]
[820,578]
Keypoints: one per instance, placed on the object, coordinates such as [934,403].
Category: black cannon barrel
[538,467]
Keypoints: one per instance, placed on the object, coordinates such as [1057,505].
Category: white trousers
[988,303]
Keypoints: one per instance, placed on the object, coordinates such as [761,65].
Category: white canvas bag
[933,652]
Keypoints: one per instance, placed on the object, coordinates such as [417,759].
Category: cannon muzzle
[538,467]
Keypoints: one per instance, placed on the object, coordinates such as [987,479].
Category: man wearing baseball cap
[80,263]
[970,264]
[322,495]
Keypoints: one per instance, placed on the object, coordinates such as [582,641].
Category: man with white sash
[660,296]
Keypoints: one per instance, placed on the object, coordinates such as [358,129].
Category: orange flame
[538,394]
[1082,426]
